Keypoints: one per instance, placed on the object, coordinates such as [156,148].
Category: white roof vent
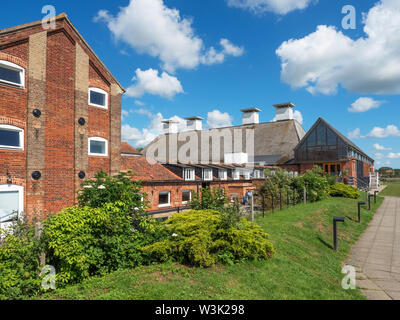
[194,123]
[251,116]
[170,126]
[284,111]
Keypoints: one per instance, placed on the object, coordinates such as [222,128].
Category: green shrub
[345,191]
[85,241]
[19,262]
[203,238]
[317,185]
[209,199]
[104,189]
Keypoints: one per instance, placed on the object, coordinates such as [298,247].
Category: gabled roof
[273,141]
[126,148]
[144,171]
[61,17]
[340,135]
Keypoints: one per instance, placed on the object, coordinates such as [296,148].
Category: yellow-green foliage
[345,191]
[84,241]
[19,263]
[200,238]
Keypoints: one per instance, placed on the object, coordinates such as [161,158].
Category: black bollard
[335,221]
[361,203]
[375,193]
[369,201]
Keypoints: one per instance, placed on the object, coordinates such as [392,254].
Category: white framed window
[12,74]
[234,197]
[223,174]
[257,174]
[11,137]
[98,98]
[186,196]
[98,147]
[164,199]
[188,174]
[207,174]
[236,175]
[246,175]
[11,202]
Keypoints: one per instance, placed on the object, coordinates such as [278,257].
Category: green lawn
[305,266]
[392,190]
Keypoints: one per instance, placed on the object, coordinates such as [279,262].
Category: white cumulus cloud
[149,81]
[378,147]
[394,155]
[364,104]
[218,119]
[389,131]
[281,7]
[150,27]
[326,58]
[355,134]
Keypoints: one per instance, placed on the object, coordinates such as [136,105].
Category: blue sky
[211,58]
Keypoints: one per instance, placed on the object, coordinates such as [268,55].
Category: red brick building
[60,117]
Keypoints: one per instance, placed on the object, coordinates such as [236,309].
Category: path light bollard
[361,203]
[369,201]
[335,221]
[375,193]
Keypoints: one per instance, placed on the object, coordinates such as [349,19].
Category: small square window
[164,199]
[11,137]
[98,147]
[223,174]
[188,174]
[207,174]
[12,74]
[186,196]
[98,98]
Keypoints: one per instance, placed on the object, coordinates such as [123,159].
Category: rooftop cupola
[251,116]
[284,111]
[170,126]
[194,123]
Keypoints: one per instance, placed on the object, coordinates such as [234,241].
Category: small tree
[316,184]
[208,199]
[121,188]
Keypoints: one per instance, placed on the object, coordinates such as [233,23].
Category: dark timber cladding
[325,143]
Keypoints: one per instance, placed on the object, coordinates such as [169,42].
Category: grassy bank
[305,266]
[392,190]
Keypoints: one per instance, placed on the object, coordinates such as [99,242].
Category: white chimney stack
[194,123]
[251,116]
[284,111]
[170,126]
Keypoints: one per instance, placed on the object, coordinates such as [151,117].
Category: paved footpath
[376,255]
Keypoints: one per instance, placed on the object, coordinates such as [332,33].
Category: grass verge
[392,190]
[305,266]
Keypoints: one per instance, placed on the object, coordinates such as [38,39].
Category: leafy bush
[317,185]
[345,191]
[85,241]
[121,188]
[19,262]
[208,199]
[202,238]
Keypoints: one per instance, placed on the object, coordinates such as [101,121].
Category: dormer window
[207,174]
[98,98]
[188,174]
[223,174]
[236,175]
[12,74]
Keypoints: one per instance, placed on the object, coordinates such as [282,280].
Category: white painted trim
[20,190]
[14,67]
[169,199]
[98,90]
[204,175]
[192,174]
[21,137]
[98,154]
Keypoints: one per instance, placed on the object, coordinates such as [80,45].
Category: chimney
[284,111]
[170,126]
[194,123]
[251,116]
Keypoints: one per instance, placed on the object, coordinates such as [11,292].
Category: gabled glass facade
[324,145]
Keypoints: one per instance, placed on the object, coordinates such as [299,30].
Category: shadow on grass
[325,243]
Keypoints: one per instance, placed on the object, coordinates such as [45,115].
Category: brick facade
[59,69]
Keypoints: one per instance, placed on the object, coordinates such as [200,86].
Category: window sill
[4,148]
[98,106]
[164,205]
[98,155]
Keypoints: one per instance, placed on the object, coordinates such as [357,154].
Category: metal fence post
[335,221]
[375,192]
[361,203]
